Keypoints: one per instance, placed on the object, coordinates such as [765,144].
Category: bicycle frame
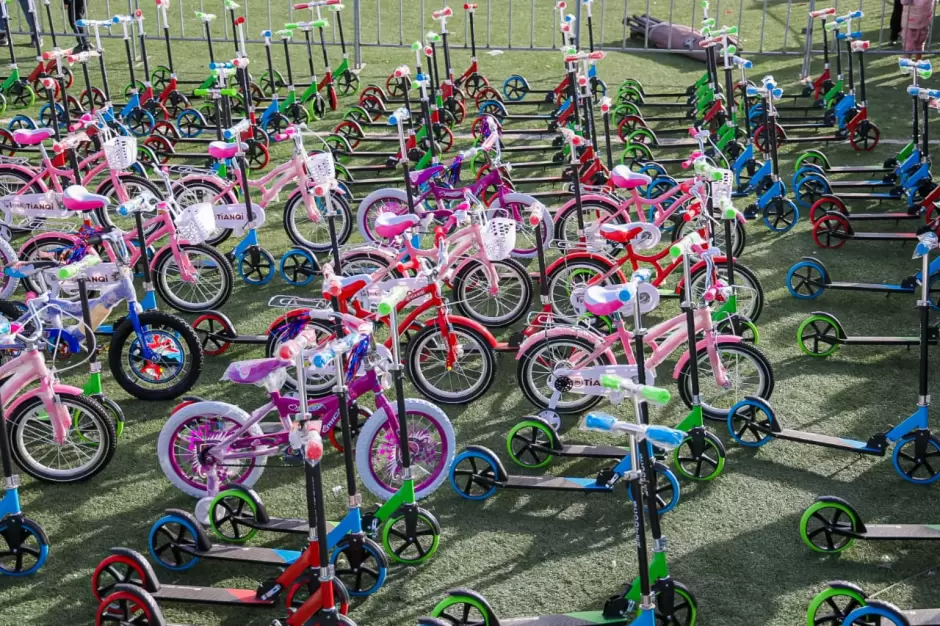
[22,371]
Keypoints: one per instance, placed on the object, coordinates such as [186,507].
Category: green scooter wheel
[227,510]
[522,439]
[130,87]
[832,605]
[463,609]
[817,336]
[819,524]
[411,548]
[700,464]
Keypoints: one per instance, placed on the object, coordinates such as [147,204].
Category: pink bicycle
[438,185]
[301,212]
[189,275]
[729,368]
[486,285]
[57,433]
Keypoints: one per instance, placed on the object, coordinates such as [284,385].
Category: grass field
[735,542]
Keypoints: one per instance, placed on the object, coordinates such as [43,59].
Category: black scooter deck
[923,617]
[842,184]
[554,483]
[876,217]
[826,441]
[882,341]
[591,452]
[884,236]
[245,554]
[879,287]
[860,169]
[211,595]
[575,619]
[901,532]
[861,195]
[287,525]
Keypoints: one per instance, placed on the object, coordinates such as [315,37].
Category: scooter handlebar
[83,57]
[854,15]
[400,114]
[72,270]
[205,17]
[95,23]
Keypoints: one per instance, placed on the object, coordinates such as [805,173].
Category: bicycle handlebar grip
[337,347]
[74,269]
[237,129]
[823,12]
[535,213]
[684,245]
[126,19]
[656,395]
[290,348]
[860,46]
[391,300]
[205,17]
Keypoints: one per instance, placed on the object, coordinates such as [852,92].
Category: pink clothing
[915,23]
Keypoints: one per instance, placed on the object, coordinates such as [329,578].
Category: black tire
[94,417]
[316,236]
[753,296]
[587,269]
[416,368]
[745,350]
[530,386]
[161,277]
[124,335]
[137,185]
[30,252]
[508,269]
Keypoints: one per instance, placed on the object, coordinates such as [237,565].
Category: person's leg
[77,13]
[896,14]
[30,22]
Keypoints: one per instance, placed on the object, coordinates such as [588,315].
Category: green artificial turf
[734,542]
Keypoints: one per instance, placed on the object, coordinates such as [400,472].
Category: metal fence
[766,26]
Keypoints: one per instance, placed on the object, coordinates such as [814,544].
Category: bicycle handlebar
[237,129]
[822,12]
[391,300]
[289,349]
[657,395]
[684,246]
[74,269]
[69,141]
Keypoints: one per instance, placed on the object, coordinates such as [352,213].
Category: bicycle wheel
[211,283]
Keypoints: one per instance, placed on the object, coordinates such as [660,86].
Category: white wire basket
[120,152]
[499,238]
[320,168]
[196,222]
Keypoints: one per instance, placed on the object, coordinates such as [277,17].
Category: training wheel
[298,267]
[214,331]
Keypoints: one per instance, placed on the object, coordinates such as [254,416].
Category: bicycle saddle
[224,150]
[77,198]
[251,371]
[422,176]
[601,300]
[389,225]
[623,178]
[30,137]
[641,235]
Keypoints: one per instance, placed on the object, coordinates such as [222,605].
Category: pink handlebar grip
[470,7]
[302,5]
[597,55]
[290,349]
[823,12]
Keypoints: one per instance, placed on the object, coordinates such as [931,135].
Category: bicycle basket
[721,190]
[499,238]
[196,222]
[120,152]
[320,168]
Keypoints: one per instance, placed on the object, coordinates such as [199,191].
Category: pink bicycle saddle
[422,176]
[223,150]
[623,178]
[601,300]
[77,198]
[28,137]
[389,225]
[251,371]
[620,233]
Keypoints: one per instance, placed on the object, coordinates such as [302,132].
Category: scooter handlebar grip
[74,269]
[822,12]
[391,300]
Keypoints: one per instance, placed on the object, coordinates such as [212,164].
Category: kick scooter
[846,604]
[15,89]
[753,423]
[653,598]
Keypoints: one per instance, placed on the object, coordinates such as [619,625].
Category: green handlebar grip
[733,30]
[392,300]
[729,213]
[229,92]
[321,23]
[716,176]
[416,46]
[732,50]
[201,92]
[291,25]
[610,381]
[284,33]
[657,395]
[708,22]
[676,250]
[74,269]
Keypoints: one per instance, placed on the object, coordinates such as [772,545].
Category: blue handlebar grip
[933,93]
[624,295]
[392,120]
[856,35]
[753,91]
[664,437]
[599,421]
[220,66]
[122,211]
[81,23]
[322,358]
[912,90]
[777,93]
[266,33]
[856,15]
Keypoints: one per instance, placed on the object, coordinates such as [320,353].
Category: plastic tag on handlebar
[664,437]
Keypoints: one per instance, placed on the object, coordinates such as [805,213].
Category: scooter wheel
[487,93]
[700,456]
[362,568]
[161,147]
[810,188]
[28,554]
[832,230]
[140,122]
[781,215]
[115,412]
[172,543]
[473,475]
[818,336]
[806,280]
[229,514]
[359,415]
[190,123]
[865,137]
[827,204]
[307,584]
[739,326]
[348,83]
[22,95]
[257,156]
[682,611]
[833,604]
[629,124]
[411,548]
[129,605]
[525,440]
[298,267]
[916,456]
[459,609]
[667,489]
[7,145]
[825,525]
[117,569]
[877,612]
[213,330]
[256,266]
[750,423]
[21,121]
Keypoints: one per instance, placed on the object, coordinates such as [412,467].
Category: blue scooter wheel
[806,280]
[910,458]
[32,551]
[515,88]
[21,122]
[811,188]
[256,270]
[749,422]
[887,615]
[298,267]
[190,123]
[781,215]
[473,475]
[362,569]
[168,534]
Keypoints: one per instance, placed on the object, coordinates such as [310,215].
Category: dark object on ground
[666,37]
